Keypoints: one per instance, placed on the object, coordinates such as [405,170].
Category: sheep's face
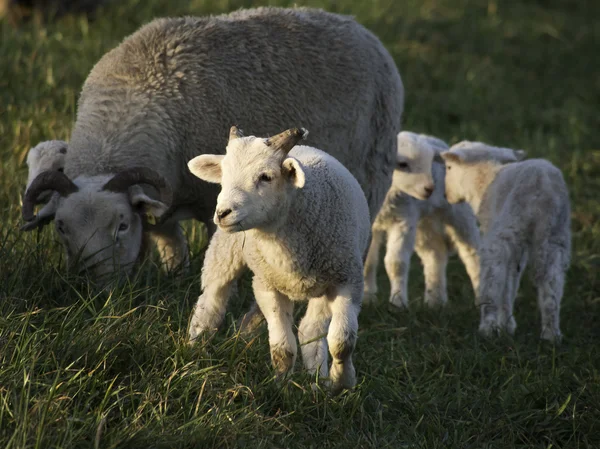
[412,174]
[456,175]
[258,183]
[99,220]
[100,232]
[465,164]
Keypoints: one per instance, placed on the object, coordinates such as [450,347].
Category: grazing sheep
[163,96]
[301,223]
[416,217]
[524,212]
[49,155]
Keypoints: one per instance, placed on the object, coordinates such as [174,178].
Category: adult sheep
[169,93]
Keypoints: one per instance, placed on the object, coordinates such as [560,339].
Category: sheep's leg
[514,272]
[342,335]
[312,334]
[433,252]
[492,289]
[400,246]
[549,278]
[278,312]
[223,265]
[172,246]
[465,237]
[371,264]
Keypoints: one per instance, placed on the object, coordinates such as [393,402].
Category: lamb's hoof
[282,360]
[251,321]
[489,330]
[552,336]
[369,297]
[397,300]
[342,377]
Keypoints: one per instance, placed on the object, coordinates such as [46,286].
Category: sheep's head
[257,178]
[465,164]
[413,171]
[99,219]
[49,155]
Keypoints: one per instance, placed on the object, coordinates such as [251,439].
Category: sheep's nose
[223,213]
[428,190]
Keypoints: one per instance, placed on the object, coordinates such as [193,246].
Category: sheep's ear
[520,154]
[207,167]
[450,156]
[139,199]
[293,171]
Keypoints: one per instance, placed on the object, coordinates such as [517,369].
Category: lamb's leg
[312,334]
[433,252]
[549,277]
[464,234]
[400,246]
[342,335]
[492,288]
[371,264]
[278,312]
[172,246]
[223,265]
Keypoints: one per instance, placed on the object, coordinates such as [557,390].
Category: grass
[111,370]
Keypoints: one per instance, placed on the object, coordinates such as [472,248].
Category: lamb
[162,97]
[301,223]
[416,217]
[49,155]
[524,212]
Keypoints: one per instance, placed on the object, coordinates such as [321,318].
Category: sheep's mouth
[231,227]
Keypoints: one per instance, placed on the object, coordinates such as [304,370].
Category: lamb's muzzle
[48,180]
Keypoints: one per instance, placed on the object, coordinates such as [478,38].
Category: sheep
[162,97]
[49,155]
[302,225]
[416,217]
[524,213]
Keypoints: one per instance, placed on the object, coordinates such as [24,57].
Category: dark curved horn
[286,140]
[235,133]
[47,180]
[140,175]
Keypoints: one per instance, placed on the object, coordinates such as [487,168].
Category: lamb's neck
[483,174]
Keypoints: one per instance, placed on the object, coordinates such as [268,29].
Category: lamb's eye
[123,227]
[448,167]
[402,165]
[59,226]
[265,178]
[61,169]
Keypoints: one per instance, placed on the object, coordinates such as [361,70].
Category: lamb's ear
[520,154]
[293,170]
[139,199]
[207,167]
[450,156]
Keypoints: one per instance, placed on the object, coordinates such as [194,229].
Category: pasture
[81,368]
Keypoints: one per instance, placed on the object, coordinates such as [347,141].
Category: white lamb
[416,217]
[524,212]
[45,156]
[300,221]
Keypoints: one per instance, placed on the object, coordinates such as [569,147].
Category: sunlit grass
[86,368]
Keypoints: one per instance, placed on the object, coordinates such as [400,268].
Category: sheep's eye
[402,165]
[123,227]
[265,178]
[59,226]
[448,167]
[61,169]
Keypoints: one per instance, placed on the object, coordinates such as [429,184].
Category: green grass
[111,369]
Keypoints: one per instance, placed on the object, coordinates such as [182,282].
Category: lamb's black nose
[428,190]
[223,213]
